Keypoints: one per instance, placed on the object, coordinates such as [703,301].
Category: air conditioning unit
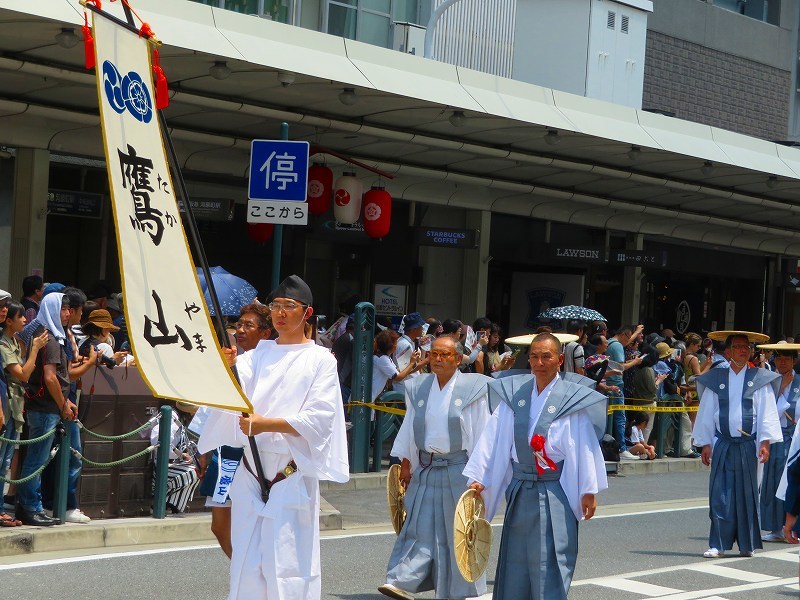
[409,38]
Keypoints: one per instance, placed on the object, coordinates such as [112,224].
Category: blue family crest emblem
[127,93]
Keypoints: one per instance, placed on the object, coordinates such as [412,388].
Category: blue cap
[52,287]
[412,321]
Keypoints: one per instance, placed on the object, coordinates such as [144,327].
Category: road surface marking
[74,559]
[637,587]
[730,572]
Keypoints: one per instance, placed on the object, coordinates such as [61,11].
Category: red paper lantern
[320,189]
[260,232]
[347,193]
[377,212]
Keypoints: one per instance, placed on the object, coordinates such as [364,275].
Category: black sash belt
[283,474]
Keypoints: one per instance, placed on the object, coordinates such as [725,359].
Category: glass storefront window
[249,7]
[342,20]
[368,21]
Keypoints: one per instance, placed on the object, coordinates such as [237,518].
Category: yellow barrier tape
[661,409]
[379,407]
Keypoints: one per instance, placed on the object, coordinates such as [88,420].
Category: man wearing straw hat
[541,449]
[772,510]
[447,411]
[735,424]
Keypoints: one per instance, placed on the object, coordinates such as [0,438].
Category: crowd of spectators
[50,338]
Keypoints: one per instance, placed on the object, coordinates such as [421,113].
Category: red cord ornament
[162,89]
[88,43]
[542,460]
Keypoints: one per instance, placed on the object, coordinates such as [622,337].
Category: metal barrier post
[662,423]
[62,473]
[162,463]
[361,385]
[382,421]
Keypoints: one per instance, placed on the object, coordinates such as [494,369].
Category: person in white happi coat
[735,424]
[541,449]
[446,412]
[298,424]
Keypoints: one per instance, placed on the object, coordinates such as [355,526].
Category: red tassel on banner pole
[162,90]
[88,43]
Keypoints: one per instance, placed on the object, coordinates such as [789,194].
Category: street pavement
[645,542]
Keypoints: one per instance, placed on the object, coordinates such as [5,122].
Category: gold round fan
[472,536]
[395,492]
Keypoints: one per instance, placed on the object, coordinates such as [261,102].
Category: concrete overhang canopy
[521,149]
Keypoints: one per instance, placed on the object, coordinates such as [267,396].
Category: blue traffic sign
[278,170]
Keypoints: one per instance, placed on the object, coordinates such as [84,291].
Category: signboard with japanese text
[278,171]
[211,209]
[170,331]
[74,204]
[390,300]
[280,213]
[639,258]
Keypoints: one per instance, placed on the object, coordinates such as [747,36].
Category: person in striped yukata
[182,476]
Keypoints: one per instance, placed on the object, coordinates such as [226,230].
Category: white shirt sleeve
[768,423]
[473,421]
[572,439]
[705,423]
[404,445]
[490,461]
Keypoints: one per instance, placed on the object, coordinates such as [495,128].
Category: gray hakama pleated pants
[539,547]
[773,514]
[423,557]
[733,494]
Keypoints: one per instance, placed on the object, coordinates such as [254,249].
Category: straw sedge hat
[102,319]
[752,336]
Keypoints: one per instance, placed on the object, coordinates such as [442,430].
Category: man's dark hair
[481,323]
[261,311]
[384,341]
[30,284]
[544,337]
[720,347]
[597,339]
[575,325]
[74,297]
[450,326]
[625,330]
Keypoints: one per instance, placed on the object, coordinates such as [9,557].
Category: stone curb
[110,533]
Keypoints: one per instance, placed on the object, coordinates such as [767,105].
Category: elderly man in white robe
[735,424]
[541,449]
[298,424]
[446,413]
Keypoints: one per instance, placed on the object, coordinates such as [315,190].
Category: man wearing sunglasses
[541,450]
[446,412]
[298,424]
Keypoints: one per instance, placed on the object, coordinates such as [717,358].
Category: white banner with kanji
[169,328]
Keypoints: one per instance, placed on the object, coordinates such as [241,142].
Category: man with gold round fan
[447,410]
[541,448]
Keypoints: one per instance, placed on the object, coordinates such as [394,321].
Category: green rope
[41,438]
[36,473]
[114,463]
[112,438]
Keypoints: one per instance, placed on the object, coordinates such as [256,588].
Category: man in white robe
[736,421]
[298,423]
[538,549]
[446,412]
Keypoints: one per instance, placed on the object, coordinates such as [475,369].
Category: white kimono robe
[276,545]
[571,439]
